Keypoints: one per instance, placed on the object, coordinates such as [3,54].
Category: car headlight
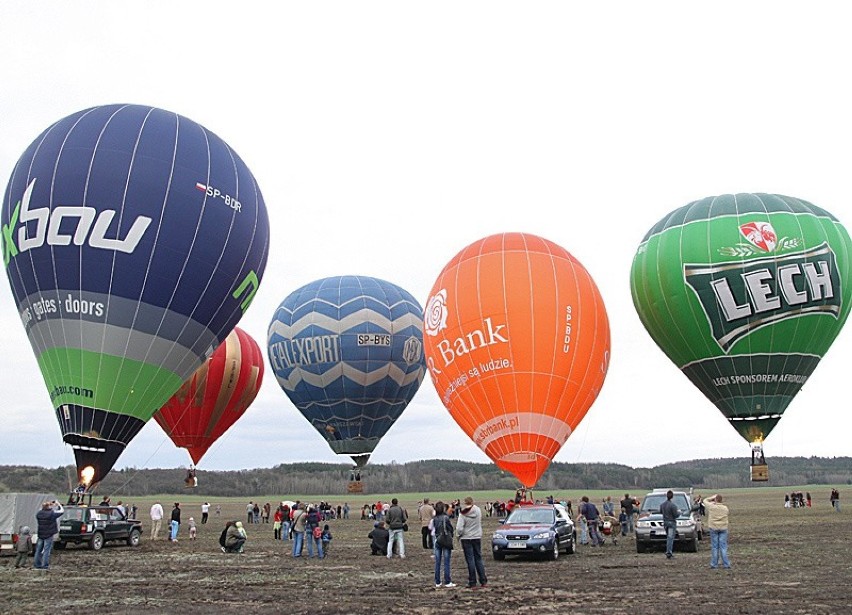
[496,536]
[643,524]
[685,523]
[543,535]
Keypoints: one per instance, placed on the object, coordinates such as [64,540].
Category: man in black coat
[46,517]
[380,537]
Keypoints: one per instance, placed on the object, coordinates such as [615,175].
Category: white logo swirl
[435,315]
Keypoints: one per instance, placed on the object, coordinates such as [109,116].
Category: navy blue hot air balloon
[134,240]
[348,352]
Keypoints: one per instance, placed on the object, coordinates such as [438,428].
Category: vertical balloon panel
[745,294]
[348,352]
[517,342]
[134,240]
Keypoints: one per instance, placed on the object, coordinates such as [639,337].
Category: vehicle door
[115,525]
[562,525]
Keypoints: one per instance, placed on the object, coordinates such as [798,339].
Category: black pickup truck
[95,526]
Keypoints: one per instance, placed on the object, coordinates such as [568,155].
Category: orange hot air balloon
[517,341]
[215,396]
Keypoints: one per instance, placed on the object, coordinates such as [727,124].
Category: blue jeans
[42,553]
[473,558]
[285,530]
[298,539]
[719,546]
[594,533]
[314,541]
[671,529]
[174,530]
[396,536]
[442,555]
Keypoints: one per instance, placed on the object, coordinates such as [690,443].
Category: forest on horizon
[433,475]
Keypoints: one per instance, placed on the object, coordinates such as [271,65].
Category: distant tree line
[433,476]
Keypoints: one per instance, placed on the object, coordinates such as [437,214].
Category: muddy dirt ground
[784,562]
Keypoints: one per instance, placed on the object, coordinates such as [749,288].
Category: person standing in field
[425,513]
[717,521]
[23,546]
[174,525]
[205,512]
[300,518]
[670,513]
[396,519]
[156,520]
[469,530]
[46,519]
[627,505]
[442,530]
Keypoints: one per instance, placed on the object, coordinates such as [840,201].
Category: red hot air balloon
[517,341]
[215,396]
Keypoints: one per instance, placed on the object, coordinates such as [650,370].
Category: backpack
[317,531]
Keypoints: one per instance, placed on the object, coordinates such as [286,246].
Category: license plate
[517,545]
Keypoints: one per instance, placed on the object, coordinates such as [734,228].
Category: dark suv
[95,526]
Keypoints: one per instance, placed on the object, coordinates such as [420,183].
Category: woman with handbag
[442,533]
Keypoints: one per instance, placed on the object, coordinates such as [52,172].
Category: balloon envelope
[745,293]
[134,240]
[348,352]
[517,342]
[215,396]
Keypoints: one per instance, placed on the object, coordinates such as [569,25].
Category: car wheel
[569,548]
[553,554]
[59,545]
[692,545]
[133,539]
[499,556]
[97,542]
[641,547]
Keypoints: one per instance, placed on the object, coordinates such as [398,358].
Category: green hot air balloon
[745,294]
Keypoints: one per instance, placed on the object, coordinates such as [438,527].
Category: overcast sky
[386,136]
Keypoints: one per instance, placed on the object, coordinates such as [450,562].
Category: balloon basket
[760,473]
[355,486]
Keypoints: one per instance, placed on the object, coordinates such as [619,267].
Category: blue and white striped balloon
[348,352]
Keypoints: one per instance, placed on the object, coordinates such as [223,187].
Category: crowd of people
[442,526]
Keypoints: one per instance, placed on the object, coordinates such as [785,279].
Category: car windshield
[538,516]
[653,502]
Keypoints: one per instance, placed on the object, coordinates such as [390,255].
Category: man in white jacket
[469,530]
[156,519]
